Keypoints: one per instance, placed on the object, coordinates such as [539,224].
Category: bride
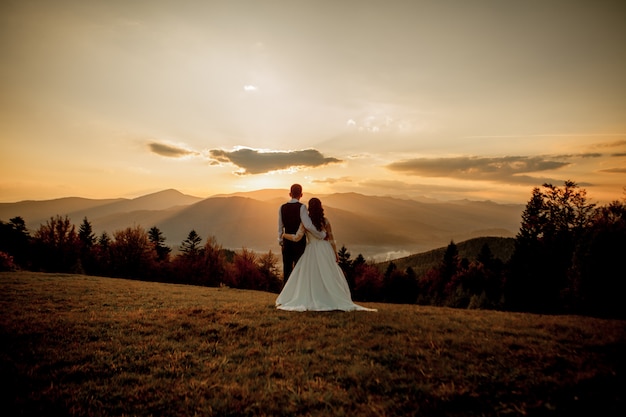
[317,283]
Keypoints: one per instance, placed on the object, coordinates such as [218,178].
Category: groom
[290,215]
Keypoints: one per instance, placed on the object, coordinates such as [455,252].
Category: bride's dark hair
[316,213]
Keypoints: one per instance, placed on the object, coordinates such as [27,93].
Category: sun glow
[259,182]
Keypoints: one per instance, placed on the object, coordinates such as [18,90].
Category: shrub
[6,262]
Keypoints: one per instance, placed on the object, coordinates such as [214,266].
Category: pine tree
[85,234]
[346,266]
[485,256]
[597,274]
[552,223]
[157,239]
[104,240]
[15,240]
[450,262]
[87,240]
[344,259]
[191,246]
[358,261]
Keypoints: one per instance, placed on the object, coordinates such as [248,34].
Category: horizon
[280,193]
[480,101]
[248,219]
[277,193]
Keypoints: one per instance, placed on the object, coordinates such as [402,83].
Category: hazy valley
[377,227]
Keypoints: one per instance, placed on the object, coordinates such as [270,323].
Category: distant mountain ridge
[36,212]
[377,227]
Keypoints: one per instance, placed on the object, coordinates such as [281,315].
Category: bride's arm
[331,238]
[308,224]
[297,236]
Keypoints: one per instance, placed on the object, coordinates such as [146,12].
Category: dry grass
[89,346]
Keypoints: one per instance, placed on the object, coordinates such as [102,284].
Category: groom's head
[296,191]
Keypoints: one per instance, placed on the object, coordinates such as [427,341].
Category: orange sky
[444,99]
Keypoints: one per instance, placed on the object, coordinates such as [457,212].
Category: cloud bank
[614,170]
[252,161]
[169,151]
[509,169]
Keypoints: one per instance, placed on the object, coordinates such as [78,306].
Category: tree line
[567,259]
[136,253]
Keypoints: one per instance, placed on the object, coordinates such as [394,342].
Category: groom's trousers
[292,251]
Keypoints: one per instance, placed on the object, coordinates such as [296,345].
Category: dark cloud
[614,144]
[509,169]
[169,150]
[252,161]
[614,170]
[591,155]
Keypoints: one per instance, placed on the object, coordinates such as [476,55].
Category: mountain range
[377,227]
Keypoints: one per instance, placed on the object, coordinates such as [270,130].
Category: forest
[567,259]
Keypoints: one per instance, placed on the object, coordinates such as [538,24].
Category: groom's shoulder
[291,206]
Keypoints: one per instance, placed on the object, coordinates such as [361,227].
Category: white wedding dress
[317,283]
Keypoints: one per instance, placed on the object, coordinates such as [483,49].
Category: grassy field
[89,346]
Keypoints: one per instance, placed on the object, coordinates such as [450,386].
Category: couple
[316,282]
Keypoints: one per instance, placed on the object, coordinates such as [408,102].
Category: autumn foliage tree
[131,252]
[368,283]
[56,245]
[244,272]
[400,286]
[267,265]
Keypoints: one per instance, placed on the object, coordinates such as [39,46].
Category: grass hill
[501,247]
[90,346]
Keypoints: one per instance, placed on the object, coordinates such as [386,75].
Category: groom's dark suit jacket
[292,251]
[291,216]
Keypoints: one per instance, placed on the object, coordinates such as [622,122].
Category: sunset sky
[477,99]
